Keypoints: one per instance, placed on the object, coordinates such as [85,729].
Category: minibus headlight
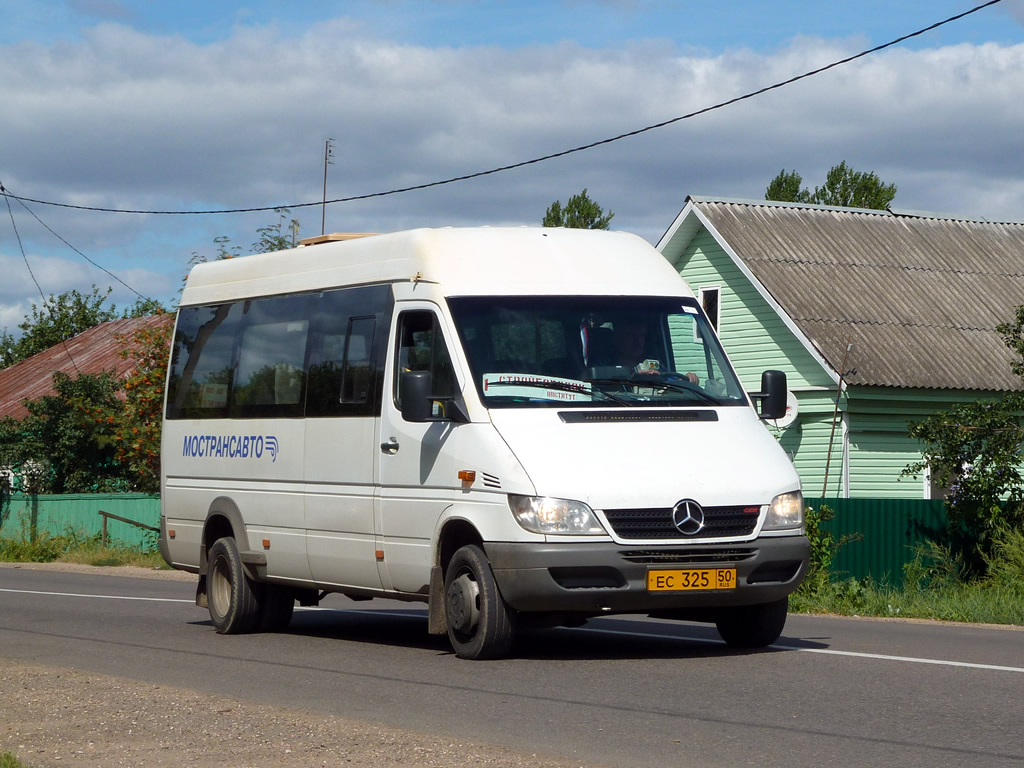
[785,511]
[542,514]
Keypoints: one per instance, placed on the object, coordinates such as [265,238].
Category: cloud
[19,292]
[127,119]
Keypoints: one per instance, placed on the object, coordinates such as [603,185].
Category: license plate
[695,578]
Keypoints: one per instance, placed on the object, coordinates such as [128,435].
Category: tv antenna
[328,160]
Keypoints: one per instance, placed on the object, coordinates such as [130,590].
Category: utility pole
[328,160]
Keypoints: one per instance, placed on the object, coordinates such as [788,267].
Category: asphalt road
[626,691]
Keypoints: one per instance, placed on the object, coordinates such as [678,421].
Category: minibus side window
[202,362]
[270,375]
[347,349]
[421,347]
[357,370]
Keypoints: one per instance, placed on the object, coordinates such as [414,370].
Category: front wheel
[480,625]
[232,596]
[753,626]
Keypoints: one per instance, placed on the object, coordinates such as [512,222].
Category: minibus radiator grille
[657,523]
[687,556]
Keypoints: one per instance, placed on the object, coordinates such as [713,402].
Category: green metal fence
[26,516]
[887,530]
[887,533]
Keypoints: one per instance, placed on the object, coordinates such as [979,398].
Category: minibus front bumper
[606,577]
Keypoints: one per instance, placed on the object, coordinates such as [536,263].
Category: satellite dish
[792,411]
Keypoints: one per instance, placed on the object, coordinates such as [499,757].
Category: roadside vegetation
[8,760]
[72,547]
[937,583]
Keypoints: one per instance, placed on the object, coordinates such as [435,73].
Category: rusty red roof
[92,351]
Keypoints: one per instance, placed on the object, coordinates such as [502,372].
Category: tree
[85,438]
[844,187]
[786,188]
[579,213]
[63,317]
[974,450]
[136,434]
[65,444]
[276,237]
[144,307]
[59,318]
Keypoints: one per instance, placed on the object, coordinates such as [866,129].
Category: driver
[629,344]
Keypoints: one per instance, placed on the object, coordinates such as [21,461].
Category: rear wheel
[753,626]
[232,596]
[480,625]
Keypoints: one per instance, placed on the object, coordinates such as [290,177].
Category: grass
[72,547]
[982,602]
[934,587]
[8,760]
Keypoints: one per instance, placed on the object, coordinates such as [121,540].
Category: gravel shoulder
[51,716]
[62,717]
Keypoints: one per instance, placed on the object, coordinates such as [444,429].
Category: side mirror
[772,395]
[415,387]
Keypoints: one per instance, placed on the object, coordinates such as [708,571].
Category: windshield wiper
[653,381]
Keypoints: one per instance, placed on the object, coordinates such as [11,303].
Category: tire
[234,599]
[753,626]
[480,625]
[276,609]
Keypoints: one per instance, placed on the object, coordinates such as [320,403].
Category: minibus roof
[462,261]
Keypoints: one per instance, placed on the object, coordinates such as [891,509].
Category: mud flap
[201,600]
[437,617]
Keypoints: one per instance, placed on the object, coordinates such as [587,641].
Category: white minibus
[520,427]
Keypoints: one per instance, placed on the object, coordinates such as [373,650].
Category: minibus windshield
[541,351]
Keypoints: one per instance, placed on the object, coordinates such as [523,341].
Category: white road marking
[828,651]
[98,597]
[621,633]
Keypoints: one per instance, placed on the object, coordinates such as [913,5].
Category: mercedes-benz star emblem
[688,517]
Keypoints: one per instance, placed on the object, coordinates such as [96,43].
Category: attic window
[709,300]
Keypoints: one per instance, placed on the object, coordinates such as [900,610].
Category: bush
[1006,563]
[824,548]
[42,548]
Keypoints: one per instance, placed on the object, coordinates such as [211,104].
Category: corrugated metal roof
[918,296]
[92,351]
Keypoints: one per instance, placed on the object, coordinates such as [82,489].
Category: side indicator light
[170,533]
[266,543]
[467,475]
[380,554]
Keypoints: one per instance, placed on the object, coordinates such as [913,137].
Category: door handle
[390,447]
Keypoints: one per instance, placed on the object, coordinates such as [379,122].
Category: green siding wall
[877,460]
[806,441]
[753,335]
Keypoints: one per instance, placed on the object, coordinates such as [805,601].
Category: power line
[69,245]
[24,256]
[543,158]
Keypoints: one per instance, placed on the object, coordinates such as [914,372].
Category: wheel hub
[463,604]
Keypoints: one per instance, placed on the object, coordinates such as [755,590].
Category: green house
[877,317]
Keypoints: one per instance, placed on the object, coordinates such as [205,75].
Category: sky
[194,106]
